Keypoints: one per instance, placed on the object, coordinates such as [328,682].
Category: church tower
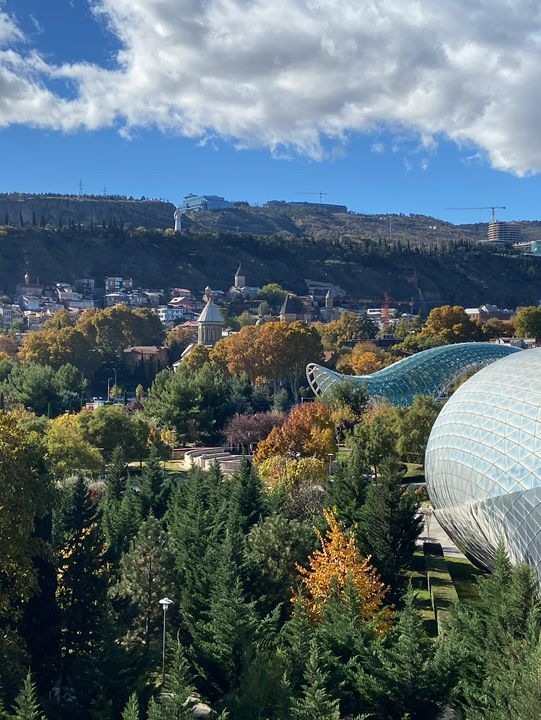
[240,278]
[210,323]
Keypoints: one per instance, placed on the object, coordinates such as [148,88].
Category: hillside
[465,275]
[286,220]
[65,210]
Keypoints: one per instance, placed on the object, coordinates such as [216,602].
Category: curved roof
[429,372]
[483,462]
[211,314]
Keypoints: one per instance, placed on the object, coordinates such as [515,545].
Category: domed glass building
[431,372]
[483,461]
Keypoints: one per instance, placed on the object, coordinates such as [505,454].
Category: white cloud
[287,73]
[378,148]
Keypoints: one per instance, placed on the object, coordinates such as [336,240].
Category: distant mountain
[463,273]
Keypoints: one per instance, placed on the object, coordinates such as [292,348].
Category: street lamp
[331,455]
[164,602]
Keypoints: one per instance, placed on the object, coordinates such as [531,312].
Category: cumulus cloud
[288,73]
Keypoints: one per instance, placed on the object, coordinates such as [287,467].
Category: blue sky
[98,116]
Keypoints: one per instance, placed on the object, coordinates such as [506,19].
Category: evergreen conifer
[131,711]
[26,703]
[390,525]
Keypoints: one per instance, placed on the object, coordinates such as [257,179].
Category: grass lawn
[415,472]
[417,575]
[464,575]
[173,467]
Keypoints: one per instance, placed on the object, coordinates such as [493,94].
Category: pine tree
[146,575]
[416,684]
[221,642]
[131,711]
[115,488]
[316,702]
[196,522]
[177,698]
[26,704]
[82,579]
[153,486]
[248,495]
[346,491]
[390,525]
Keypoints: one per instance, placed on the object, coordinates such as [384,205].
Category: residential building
[8,315]
[503,233]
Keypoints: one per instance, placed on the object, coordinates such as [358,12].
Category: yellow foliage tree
[67,449]
[279,471]
[367,358]
[337,566]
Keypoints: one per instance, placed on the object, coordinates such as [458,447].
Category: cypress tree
[195,522]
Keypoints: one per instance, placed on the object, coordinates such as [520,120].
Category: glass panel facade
[430,372]
[483,461]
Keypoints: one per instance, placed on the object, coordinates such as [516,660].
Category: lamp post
[164,602]
[331,455]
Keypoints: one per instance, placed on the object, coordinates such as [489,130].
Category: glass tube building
[483,462]
[431,372]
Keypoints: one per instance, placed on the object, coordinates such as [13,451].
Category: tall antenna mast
[80,186]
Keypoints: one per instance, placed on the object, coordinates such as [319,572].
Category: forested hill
[462,274]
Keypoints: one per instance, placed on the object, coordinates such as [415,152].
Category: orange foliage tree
[308,432]
[335,568]
[272,353]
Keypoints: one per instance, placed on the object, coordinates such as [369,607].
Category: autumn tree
[197,357]
[270,353]
[67,449]
[25,496]
[307,432]
[349,326]
[451,324]
[365,359]
[335,567]
[528,322]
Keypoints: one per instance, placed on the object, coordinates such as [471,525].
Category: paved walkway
[433,531]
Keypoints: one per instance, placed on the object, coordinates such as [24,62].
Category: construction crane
[321,194]
[483,207]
